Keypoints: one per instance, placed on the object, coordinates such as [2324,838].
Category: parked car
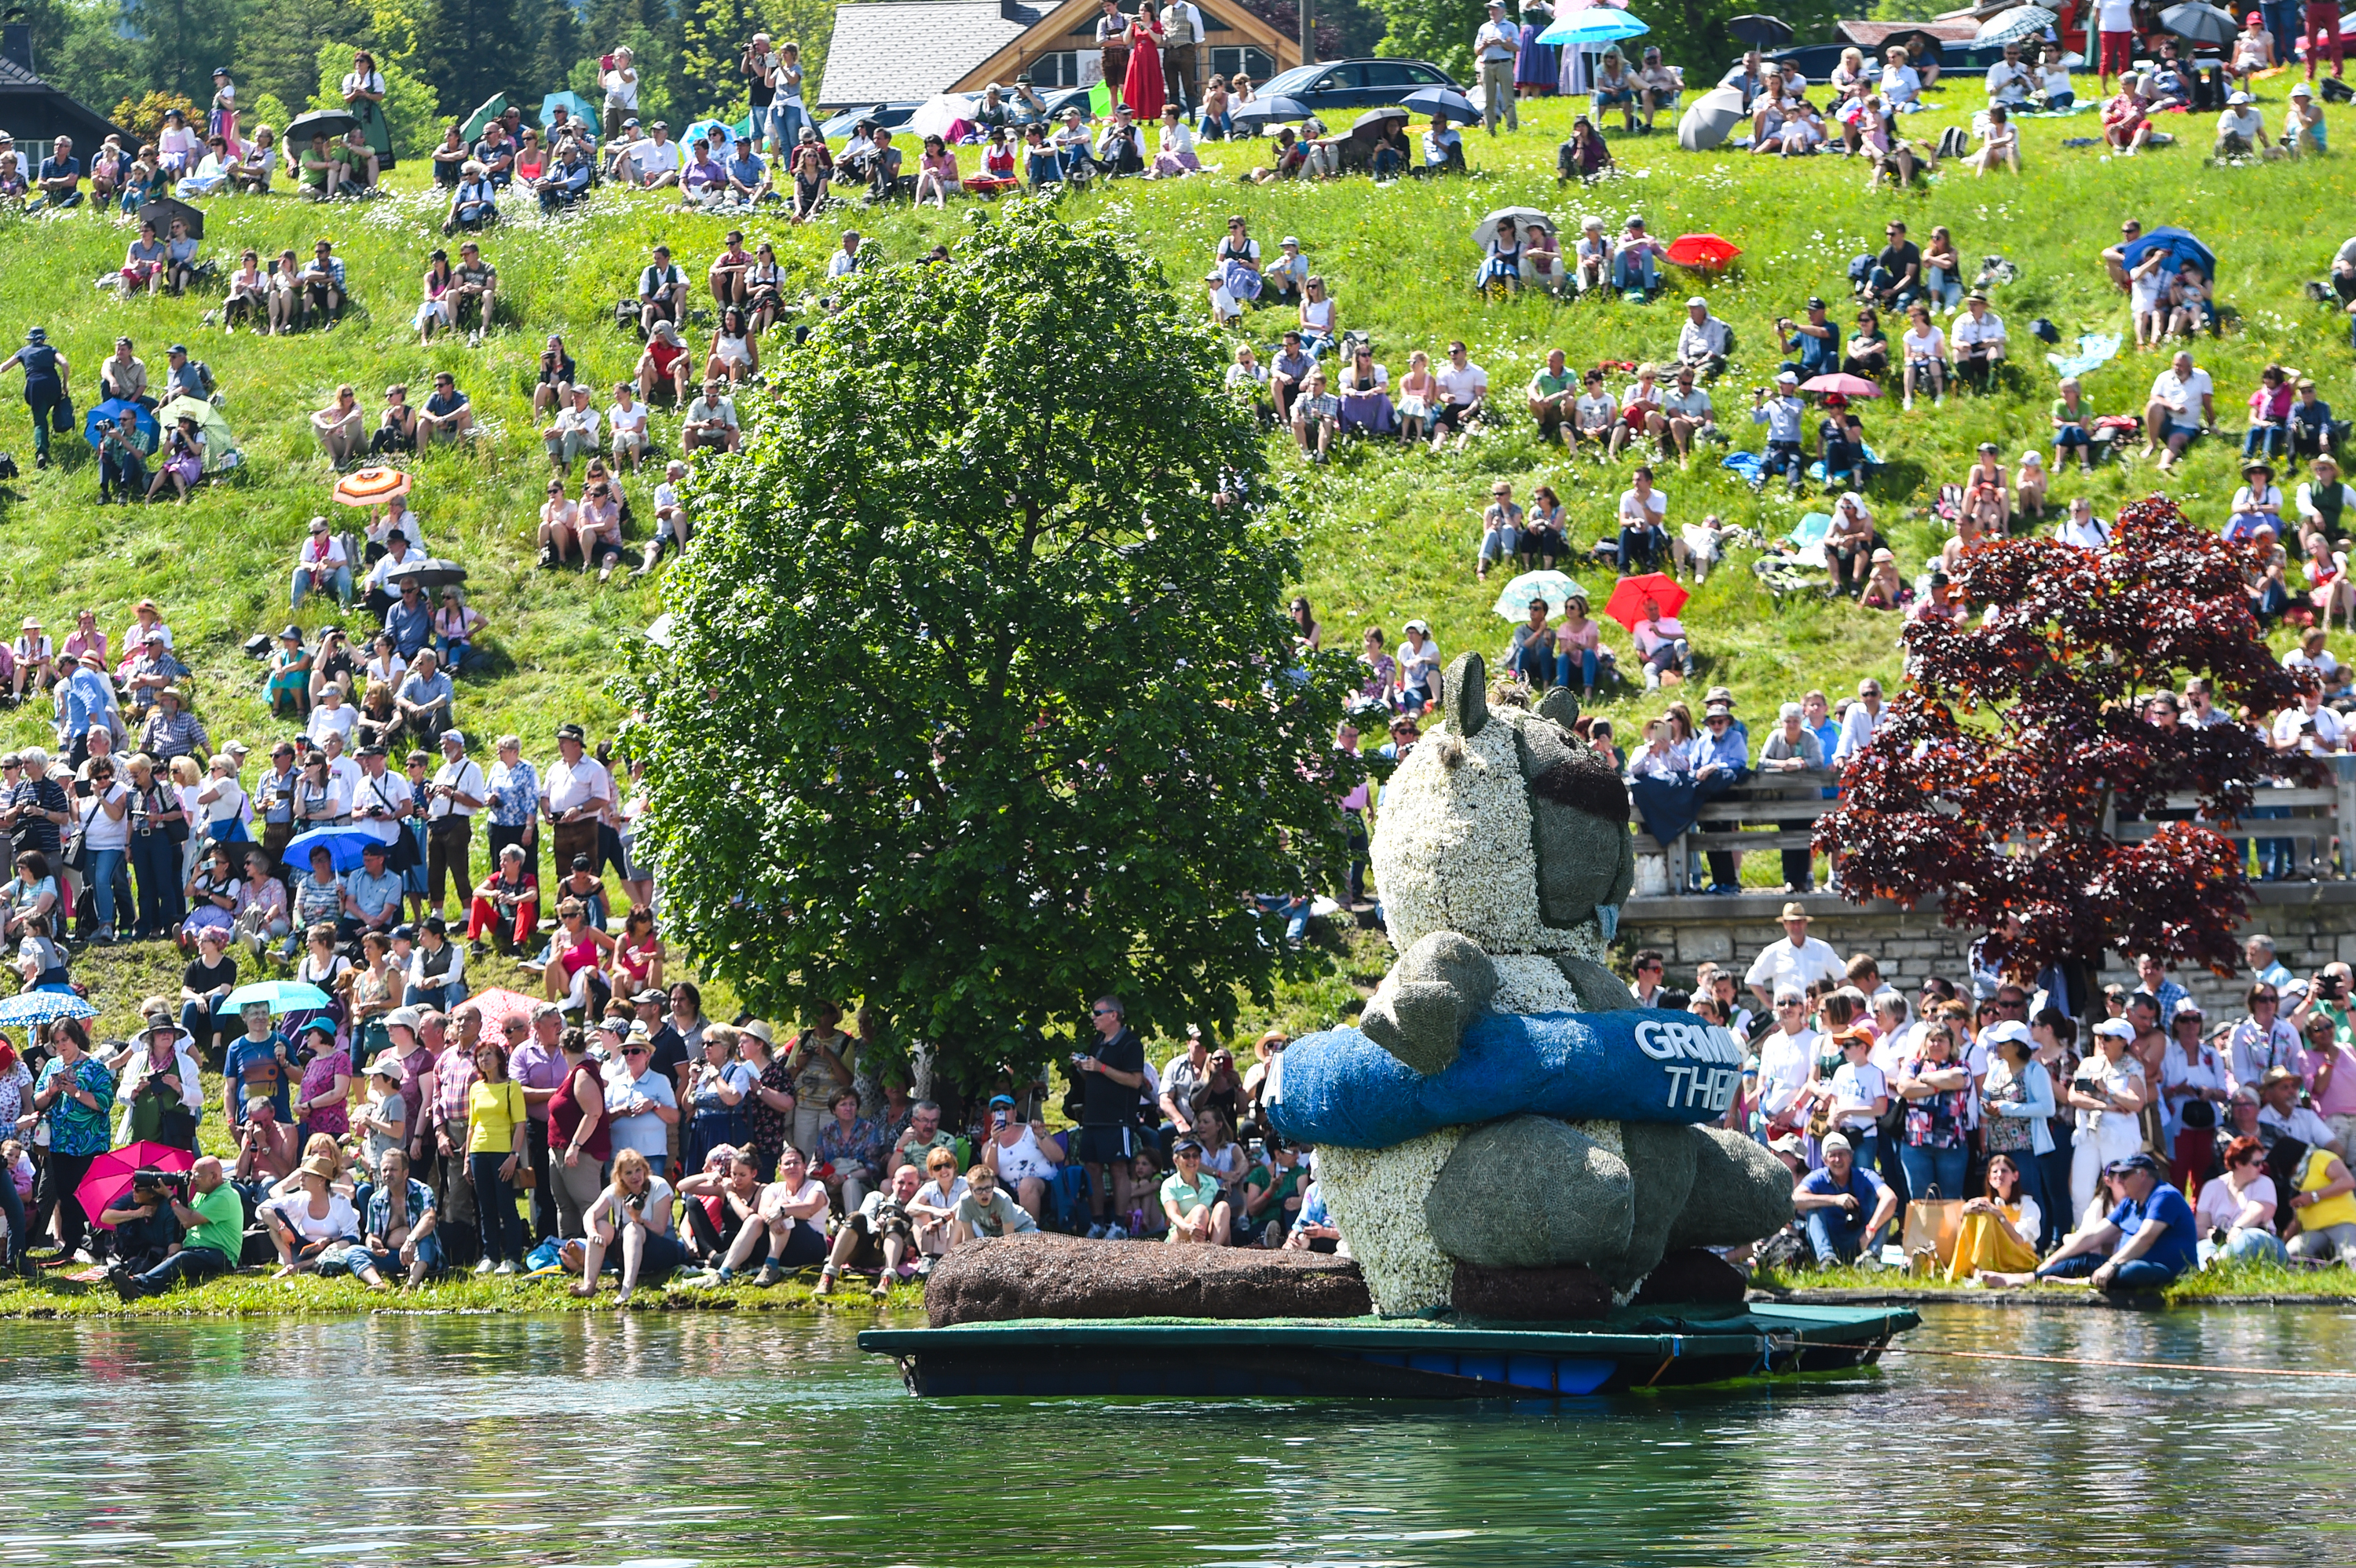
[1334,85]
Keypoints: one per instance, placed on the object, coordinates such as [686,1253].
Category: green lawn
[1390,533]
[2218,1280]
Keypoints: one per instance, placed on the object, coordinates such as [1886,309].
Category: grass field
[1390,533]
[2228,1281]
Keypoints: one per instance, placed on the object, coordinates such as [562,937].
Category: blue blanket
[1637,1065]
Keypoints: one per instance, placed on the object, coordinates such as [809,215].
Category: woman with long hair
[496,1119]
[631,1217]
[2000,1229]
[1141,89]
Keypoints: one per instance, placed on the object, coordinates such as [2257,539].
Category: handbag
[1931,1225]
[78,848]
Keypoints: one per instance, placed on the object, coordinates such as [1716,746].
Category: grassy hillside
[1390,533]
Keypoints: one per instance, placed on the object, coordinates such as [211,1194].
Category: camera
[149,1185]
[2327,988]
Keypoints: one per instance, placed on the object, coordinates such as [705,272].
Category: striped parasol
[368,486]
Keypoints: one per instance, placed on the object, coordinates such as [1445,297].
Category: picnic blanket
[2095,351]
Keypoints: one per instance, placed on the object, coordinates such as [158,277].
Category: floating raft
[1379,1358]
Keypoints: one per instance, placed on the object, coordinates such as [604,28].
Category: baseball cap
[2115,1028]
[1836,1144]
[1696,300]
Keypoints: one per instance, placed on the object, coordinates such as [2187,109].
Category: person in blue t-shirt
[1843,1206]
[259,1065]
[59,178]
[2143,1244]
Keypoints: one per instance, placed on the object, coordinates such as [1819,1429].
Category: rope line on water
[2101,1362]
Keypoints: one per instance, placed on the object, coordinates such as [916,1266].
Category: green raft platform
[1378,1358]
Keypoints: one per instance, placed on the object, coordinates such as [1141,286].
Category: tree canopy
[1995,777]
[979,700]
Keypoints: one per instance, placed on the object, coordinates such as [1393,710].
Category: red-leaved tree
[2017,738]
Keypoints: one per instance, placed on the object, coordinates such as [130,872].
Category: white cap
[2116,1028]
[2238,98]
[1696,300]
[2300,89]
[1791,376]
[2033,458]
[2009,1029]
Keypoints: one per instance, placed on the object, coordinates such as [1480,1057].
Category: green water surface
[678,1441]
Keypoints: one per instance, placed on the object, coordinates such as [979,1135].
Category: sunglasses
[635,1050]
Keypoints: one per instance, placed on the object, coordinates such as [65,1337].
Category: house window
[1251,63]
[1060,69]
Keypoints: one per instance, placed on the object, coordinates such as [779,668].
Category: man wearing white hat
[1799,960]
[1496,46]
[2241,129]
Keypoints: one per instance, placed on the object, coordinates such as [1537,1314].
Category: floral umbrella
[368,486]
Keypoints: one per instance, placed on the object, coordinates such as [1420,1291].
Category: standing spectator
[579,791]
[1494,48]
[75,1097]
[1796,963]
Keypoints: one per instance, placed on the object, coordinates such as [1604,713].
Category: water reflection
[709,1440]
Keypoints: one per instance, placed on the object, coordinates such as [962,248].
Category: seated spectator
[1999,144]
[1594,415]
[1635,261]
[566,181]
[1316,417]
[321,565]
[1867,353]
[1979,342]
[2181,406]
[2241,130]
[1544,538]
[1843,1207]
[1850,542]
[1660,644]
[1704,341]
[1583,158]
[1501,530]
[2302,131]
[2188,310]
[2268,431]
[473,289]
[2235,1217]
[2326,510]
[1786,451]
[1884,588]
[1926,349]
[2126,125]
[2257,505]
[573,433]
[560,519]
[2028,487]
[341,427]
[1193,1202]
[1658,87]
[1644,539]
[447,415]
[2073,422]
[735,356]
[710,421]
[2143,1244]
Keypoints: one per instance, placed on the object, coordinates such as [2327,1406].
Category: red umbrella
[1705,251]
[1848,386]
[1629,596]
[109,1174]
[498,1006]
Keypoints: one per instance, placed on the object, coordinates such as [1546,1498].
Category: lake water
[668,1441]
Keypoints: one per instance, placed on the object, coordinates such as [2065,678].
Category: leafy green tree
[981,701]
[469,50]
[281,59]
[410,109]
[177,43]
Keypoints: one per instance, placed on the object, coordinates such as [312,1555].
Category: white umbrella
[1554,587]
[1484,233]
[1711,120]
[935,117]
[2012,26]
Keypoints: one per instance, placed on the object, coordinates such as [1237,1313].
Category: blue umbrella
[1597,25]
[279,996]
[44,1007]
[1441,101]
[345,847]
[112,409]
[572,103]
[2177,242]
[1261,111]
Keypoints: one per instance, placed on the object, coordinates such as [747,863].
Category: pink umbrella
[111,1173]
[1847,386]
[499,1006]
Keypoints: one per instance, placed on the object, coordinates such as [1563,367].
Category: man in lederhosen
[1112,47]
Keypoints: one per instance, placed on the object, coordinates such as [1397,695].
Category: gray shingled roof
[898,52]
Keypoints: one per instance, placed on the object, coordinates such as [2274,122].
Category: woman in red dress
[1142,89]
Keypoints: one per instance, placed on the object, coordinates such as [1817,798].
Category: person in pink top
[2332,1089]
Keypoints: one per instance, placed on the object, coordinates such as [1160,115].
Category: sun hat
[320,1166]
[1795,909]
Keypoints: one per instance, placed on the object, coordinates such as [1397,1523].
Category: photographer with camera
[880,1231]
[267,1149]
[146,1231]
[212,1220]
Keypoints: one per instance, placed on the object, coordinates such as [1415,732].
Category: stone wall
[2312,923]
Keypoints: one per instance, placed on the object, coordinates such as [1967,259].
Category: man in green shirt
[215,1217]
[1192,1201]
[1552,390]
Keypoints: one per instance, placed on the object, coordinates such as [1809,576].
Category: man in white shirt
[626,425]
[1463,390]
[2114,24]
[380,803]
[345,771]
[1704,340]
[2241,129]
[457,791]
[2183,403]
[1978,338]
[1495,47]
[2264,1040]
[1787,1055]
[672,526]
[1182,29]
[2009,81]
[2279,1110]
[848,260]
[2309,728]
[2084,528]
[574,795]
[711,422]
[1796,963]
[573,435]
[1858,724]
[655,159]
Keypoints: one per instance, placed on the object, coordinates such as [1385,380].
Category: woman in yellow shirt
[495,1114]
[2326,1207]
